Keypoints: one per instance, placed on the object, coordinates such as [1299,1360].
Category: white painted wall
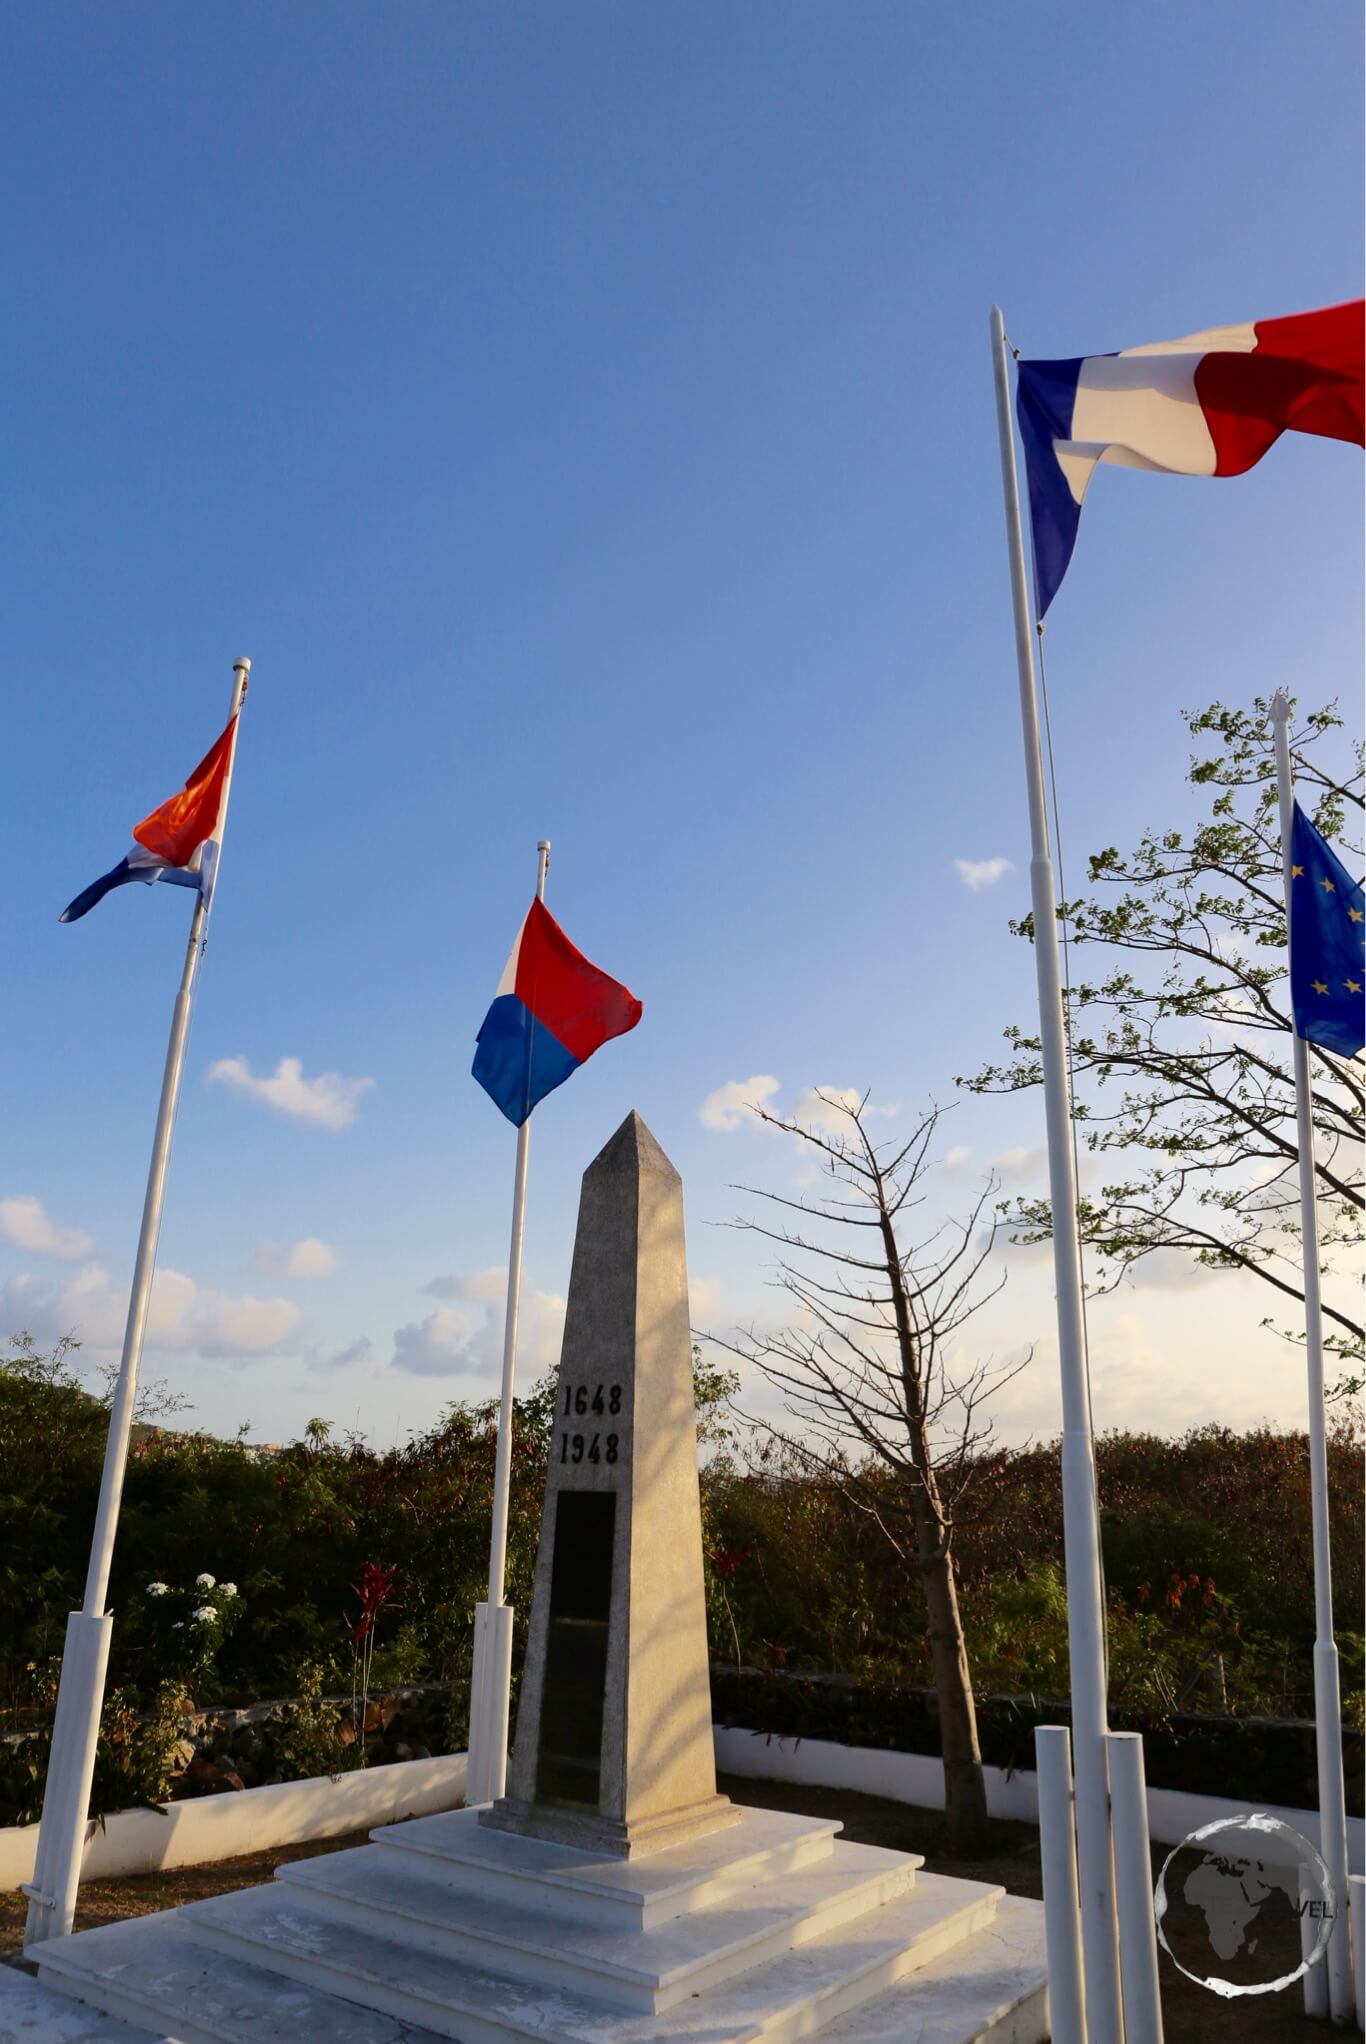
[919,1778]
[209,1828]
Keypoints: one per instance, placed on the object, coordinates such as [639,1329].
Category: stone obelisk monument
[614,1895]
[613,1747]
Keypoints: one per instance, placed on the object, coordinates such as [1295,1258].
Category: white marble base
[33,2014]
[588,1832]
[632,1895]
[773,1930]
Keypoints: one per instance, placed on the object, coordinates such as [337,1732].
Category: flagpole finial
[241,666]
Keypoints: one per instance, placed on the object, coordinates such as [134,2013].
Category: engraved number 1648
[579,1400]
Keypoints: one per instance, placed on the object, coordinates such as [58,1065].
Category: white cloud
[1138,1381]
[309,1258]
[979,873]
[704,1299]
[729,1105]
[1024,1166]
[1019,1162]
[25,1221]
[329,1100]
[1172,1270]
[181,1319]
[435,1347]
[92,1308]
[453,1341]
[355,1352]
[488,1285]
[221,1326]
[1020,1256]
[821,1107]
[957,1158]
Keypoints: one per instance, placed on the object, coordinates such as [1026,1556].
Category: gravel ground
[143,1894]
[1192,2015]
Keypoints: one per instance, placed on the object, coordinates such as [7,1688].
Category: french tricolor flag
[1208,405]
[552,1010]
[179,840]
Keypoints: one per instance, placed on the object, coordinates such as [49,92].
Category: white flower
[203,1614]
[156,1589]
[179,1625]
[228,1589]
[203,1582]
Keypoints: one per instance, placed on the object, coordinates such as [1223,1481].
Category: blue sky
[582,416]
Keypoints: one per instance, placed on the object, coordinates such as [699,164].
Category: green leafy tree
[1181,1037]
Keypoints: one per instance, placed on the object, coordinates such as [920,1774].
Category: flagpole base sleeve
[1315,1983]
[71,1769]
[1090,1753]
[476,1768]
[490,1688]
[1061,1915]
[1139,1982]
[1337,1961]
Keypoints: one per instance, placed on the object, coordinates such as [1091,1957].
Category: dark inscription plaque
[569,1760]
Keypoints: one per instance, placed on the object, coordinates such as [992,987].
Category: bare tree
[881,1405]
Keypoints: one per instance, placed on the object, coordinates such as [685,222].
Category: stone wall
[225,1750]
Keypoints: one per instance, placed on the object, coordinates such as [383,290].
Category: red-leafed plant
[725,1561]
[374,1590]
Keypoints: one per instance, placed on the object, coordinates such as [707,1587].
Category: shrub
[314,1738]
[136,1754]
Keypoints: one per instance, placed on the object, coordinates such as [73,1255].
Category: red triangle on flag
[179,827]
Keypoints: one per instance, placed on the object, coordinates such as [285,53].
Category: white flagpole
[491,1672]
[1081,1525]
[80,1692]
[1341,1996]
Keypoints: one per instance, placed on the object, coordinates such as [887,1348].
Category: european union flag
[1326,936]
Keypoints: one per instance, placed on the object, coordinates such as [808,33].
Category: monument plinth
[613,1747]
[612,1897]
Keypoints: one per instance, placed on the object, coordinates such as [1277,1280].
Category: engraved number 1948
[578,1447]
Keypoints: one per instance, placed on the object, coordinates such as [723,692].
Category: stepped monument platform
[612,1895]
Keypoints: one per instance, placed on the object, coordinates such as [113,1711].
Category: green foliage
[399,1661]
[178,1632]
[1021,1629]
[312,1740]
[23,1777]
[1207,1549]
[713,1387]
[137,1750]
[134,1756]
[1257,1761]
[819,1590]
[51,1445]
[1181,1036]
[291,1532]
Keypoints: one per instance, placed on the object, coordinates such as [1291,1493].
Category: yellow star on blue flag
[1327,931]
